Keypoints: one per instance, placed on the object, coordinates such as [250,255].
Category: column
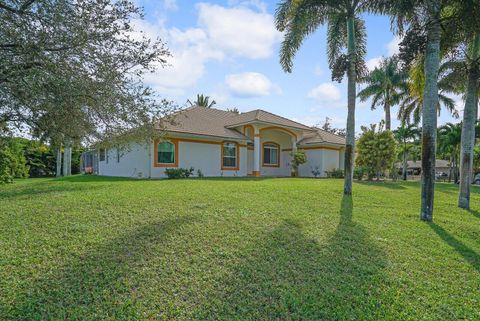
[294,149]
[256,153]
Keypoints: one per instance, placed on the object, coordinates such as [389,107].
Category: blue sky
[229,50]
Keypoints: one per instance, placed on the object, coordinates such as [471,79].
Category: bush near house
[176,173]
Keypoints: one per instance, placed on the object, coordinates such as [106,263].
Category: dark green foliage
[359,172]
[336,173]
[176,173]
[12,160]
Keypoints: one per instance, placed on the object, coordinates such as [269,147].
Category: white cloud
[326,92]
[221,32]
[318,70]
[393,46]
[170,4]
[249,84]
[374,63]
[239,31]
[257,4]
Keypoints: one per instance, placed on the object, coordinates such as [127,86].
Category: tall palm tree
[412,97]
[346,48]
[449,138]
[385,85]
[202,101]
[405,135]
[424,19]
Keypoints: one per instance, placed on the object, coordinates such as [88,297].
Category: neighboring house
[415,167]
[223,143]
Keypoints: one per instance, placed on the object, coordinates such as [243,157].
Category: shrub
[359,172]
[316,171]
[298,158]
[12,161]
[336,173]
[376,151]
[175,173]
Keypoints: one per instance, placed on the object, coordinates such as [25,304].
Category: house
[224,143]
[415,167]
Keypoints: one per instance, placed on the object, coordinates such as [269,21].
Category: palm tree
[346,30]
[405,134]
[385,85]
[449,138]
[202,101]
[412,98]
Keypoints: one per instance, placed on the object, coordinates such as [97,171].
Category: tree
[73,70]
[298,158]
[384,85]
[376,150]
[202,101]
[412,97]
[327,126]
[404,135]
[449,138]
[346,30]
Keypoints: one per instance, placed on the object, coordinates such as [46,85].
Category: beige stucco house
[223,143]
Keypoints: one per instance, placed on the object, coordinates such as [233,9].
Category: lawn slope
[92,248]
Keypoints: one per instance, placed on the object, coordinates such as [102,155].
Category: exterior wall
[324,159]
[285,142]
[133,162]
[205,157]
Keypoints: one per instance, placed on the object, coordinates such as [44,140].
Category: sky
[229,50]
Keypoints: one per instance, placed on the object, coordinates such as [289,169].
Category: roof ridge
[283,117]
[326,131]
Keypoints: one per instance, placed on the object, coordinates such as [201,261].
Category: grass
[92,248]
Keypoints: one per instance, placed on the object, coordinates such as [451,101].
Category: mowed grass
[93,248]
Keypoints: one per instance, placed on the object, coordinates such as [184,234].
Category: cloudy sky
[229,50]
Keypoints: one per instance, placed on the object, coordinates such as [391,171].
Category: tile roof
[220,123]
[322,136]
[267,117]
[203,121]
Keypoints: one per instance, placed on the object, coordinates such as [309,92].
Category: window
[229,156]
[166,153]
[102,154]
[271,155]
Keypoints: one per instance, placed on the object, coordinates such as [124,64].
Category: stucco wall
[133,162]
[285,142]
[203,156]
[324,159]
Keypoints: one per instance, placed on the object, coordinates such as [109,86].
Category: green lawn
[91,248]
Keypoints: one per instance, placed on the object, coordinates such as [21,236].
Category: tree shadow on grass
[290,276]
[469,255]
[99,285]
[474,213]
[41,189]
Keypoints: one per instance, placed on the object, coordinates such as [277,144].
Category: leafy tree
[376,150]
[12,160]
[73,70]
[449,138]
[202,101]
[385,85]
[404,135]
[346,48]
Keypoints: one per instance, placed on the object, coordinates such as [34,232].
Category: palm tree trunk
[350,137]
[468,133]
[59,161]
[404,164]
[388,119]
[429,111]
